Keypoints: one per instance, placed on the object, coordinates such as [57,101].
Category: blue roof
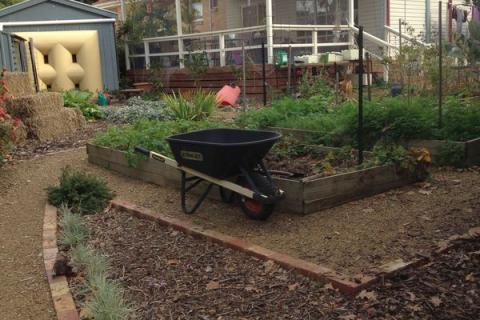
[69,3]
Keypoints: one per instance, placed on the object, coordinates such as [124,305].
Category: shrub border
[344,283]
[60,292]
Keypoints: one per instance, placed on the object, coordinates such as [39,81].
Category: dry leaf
[269,266]
[213,285]
[173,262]
[436,301]
[369,295]
[425,192]
[470,277]
[292,287]
[411,296]
[328,286]
[348,317]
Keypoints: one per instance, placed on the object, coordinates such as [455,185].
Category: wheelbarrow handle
[142,150]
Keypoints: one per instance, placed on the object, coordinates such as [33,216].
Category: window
[74,58]
[213,4]
[77,85]
[49,87]
[197,8]
[253,15]
[45,59]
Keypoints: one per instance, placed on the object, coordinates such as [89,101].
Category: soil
[290,158]
[171,275]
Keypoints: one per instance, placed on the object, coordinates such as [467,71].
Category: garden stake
[440,67]
[264,76]
[360,95]
[244,75]
[369,74]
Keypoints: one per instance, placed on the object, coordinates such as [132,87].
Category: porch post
[178,12]
[221,41]
[351,21]
[269,25]
[315,42]
[146,47]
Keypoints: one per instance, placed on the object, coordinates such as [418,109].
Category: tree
[6,3]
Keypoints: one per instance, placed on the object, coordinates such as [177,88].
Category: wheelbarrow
[231,159]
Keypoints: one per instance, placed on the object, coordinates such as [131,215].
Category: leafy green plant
[451,154]
[414,161]
[138,108]
[85,193]
[74,231]
[196,105]
[311,86]
[197,64]
[81,99]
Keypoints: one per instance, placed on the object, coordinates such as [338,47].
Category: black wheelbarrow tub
[221,153]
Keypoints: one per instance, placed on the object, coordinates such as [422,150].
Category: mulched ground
[34,148]
[170,275]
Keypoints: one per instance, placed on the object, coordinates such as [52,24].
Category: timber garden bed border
[471,148]
[304,196]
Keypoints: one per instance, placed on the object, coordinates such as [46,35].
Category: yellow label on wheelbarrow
[190,155]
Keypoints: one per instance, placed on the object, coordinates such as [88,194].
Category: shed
[74,43]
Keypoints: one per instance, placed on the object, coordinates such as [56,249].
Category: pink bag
[228,95]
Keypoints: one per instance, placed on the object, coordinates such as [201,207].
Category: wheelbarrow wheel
[254,209]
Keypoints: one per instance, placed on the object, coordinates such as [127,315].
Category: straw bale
[18,84]
[35,105]
[48,127]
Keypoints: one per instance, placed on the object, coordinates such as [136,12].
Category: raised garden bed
[303,196]
[470,150]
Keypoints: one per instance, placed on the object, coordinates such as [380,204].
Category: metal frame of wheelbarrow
[198,177]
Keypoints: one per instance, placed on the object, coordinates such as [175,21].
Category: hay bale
[18,84]
[49,127]
[20,133]
[35,105]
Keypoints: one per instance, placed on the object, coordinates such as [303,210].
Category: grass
[108,302]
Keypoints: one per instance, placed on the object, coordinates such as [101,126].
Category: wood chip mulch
[171,275]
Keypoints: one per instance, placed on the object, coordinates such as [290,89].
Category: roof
[69,3]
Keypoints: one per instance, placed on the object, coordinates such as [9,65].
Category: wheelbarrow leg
[184,190]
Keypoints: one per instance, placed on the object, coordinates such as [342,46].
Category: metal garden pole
[244,74]
[369,76]
[440,66]
[264,75]
[360,95]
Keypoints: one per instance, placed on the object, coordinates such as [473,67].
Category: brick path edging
[60,292]
[339,281]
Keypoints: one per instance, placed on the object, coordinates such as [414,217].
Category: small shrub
[137,109]
[74,232]
[193,106]
[451,154]
[82,100]
[84,193]
[315,86]
[95,265]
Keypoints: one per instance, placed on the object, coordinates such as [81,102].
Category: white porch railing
[221,38]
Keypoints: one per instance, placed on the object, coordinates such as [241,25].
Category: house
[73,44]
[220,28]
